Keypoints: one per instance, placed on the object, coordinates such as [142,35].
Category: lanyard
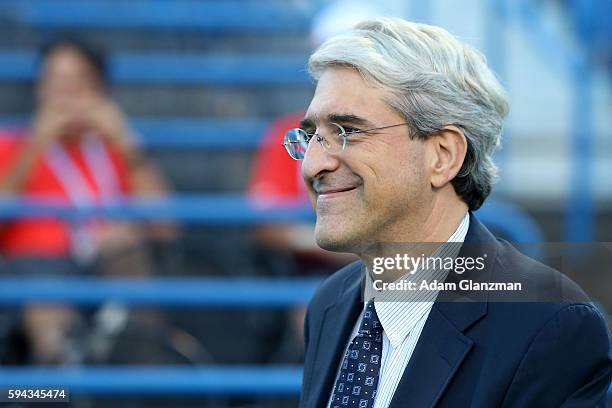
[79,190]
[73,180]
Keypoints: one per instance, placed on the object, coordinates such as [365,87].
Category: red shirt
[276,176]
[48,236]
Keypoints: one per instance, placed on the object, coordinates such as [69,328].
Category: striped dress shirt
[403,321]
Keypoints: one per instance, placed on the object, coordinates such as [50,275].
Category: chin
[335,239]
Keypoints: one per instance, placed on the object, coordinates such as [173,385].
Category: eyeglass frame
[321,138]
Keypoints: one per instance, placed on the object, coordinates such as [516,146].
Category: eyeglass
[296,140]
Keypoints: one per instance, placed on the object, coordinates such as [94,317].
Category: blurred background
[155,243]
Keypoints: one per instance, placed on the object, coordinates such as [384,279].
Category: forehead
[67,59]
[343,91]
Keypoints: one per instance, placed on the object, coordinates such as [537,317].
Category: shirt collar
[399,317]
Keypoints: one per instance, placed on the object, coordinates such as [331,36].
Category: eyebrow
[338,118]
[349,118]
[306,123]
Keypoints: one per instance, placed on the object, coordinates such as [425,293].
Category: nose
[317,161]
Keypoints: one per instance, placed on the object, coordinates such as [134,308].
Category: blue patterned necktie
[358,378]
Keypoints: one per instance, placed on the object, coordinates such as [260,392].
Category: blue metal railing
[146,68]
[186,133]
[160,380]
[162,291]
[211,134]
[208,209]
[192,15]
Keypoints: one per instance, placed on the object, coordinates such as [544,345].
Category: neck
[418,240]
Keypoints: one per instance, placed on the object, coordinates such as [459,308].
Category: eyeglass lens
[296,140]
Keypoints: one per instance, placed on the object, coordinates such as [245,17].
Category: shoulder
[539,282]
[572,347]
[551,327]
[550,312]
[545,295]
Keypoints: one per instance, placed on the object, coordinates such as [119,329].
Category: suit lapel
[438,354]
[336,327]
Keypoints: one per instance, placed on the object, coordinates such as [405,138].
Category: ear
[449,147]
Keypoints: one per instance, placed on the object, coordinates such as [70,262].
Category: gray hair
[434,81]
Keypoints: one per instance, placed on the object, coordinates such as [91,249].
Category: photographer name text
[435,285]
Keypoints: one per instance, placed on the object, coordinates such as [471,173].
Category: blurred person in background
[78,150]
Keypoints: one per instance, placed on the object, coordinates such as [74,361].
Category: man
[396,148]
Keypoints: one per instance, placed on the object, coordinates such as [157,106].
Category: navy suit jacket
[481,353]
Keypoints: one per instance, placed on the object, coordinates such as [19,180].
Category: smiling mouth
[337,191]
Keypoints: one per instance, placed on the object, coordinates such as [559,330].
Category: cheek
[401,176]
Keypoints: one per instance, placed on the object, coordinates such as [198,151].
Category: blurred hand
[53,122]
[104,117]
